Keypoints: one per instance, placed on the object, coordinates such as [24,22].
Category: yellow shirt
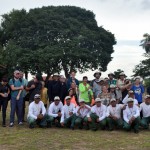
[44,96]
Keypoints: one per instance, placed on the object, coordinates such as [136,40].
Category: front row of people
[83,116]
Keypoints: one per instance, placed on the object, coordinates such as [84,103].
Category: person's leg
[12,111]
[103,124]
[31,122]
[110,123]
[136,124]
[78,122]
[126,126]
[145,122]
[93,125]
[20,109]
[119,123]
[73,118]
[67,122]
[23,109]
[49,120]
[43,122]
[85,122]
[4,107]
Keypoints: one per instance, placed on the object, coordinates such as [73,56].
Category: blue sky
[128,20]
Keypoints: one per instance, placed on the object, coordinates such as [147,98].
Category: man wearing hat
[130,95]
[4,92]
[97,76]
[145,109]
[68,117]
[131,116]
[16,86]
[54,88]
[112,90]
[34,87]
[37,113]
[114,114]
[82,113]
[98,115]
[55,112]
[111,79]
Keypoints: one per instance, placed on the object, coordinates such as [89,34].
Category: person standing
[34,87]
[111,79]
[17,87]
[145,109]
[85,91]
[69,114]
[131,116]
[37,113]
[138,89]
[4,92]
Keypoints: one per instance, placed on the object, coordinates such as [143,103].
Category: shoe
[11,124]
[3,125]
[20,123]
[31,126]
[136,131]
[72,127]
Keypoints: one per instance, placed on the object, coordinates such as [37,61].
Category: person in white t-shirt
[69,114]
[145,109]
[131,116]
[55,112]
[37,113]
[98,115]
[114,114]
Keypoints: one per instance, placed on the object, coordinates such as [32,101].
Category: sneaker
[20,123]
[31,126]
[11,124]
[3,125]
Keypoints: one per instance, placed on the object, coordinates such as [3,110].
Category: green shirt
[16,83]
[84,93]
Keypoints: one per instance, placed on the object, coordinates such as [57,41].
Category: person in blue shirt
[138,89]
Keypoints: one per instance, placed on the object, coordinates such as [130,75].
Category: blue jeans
[16,105]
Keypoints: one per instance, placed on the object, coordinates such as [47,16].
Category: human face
[113,103]
[130,104]
[97,76]
[147,101]
[73,85]
[98,104]
[112,89]
[4,83]
[68,101]
[104,89]
[137,81]
[70,92]
[17,75]
[110,76]
[131,95]
[81,103]
[56,102]
[122,77]
[85,80]
[73,74]
[21,75]
[37,100]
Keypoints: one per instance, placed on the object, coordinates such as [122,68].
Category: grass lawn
[23,138]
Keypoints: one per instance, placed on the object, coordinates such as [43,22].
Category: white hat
[56,74]
[113,99]
[98,100]
[37,96]
[130,100]
[112,86]
[56,98]
[147,96]
[67,97]
[138,77]
[81,100]
[122,74]
[16,71]
[131,92]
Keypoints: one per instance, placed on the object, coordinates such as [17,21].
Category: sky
[128,20]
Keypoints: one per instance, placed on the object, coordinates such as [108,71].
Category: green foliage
[54,39]
[117,72]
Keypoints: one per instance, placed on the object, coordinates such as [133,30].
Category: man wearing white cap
[55,112]
[36,113]
[145,109]
[68,117]
[131,116]
[82,113]
[98,115]
[114,114]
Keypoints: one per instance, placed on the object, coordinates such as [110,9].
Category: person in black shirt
[4,92]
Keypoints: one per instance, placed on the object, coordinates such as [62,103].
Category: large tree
[143,69]
[54,39]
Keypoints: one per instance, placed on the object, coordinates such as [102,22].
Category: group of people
[104,103]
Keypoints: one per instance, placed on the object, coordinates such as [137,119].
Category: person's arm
[63,115]
[137,112]
[104,114]
[82,88]
[31,112]
[125,116]
[19,93]
[124,101]
[43,109]
[108,112]
[50,111]
[142,88]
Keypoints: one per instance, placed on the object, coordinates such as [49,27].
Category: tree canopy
[143,69]
[54,39]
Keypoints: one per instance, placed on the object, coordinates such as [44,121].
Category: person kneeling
[82,113]
[55,112]
[114,114]
[131,116]
[68,117]
[98,115]
[36,113]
